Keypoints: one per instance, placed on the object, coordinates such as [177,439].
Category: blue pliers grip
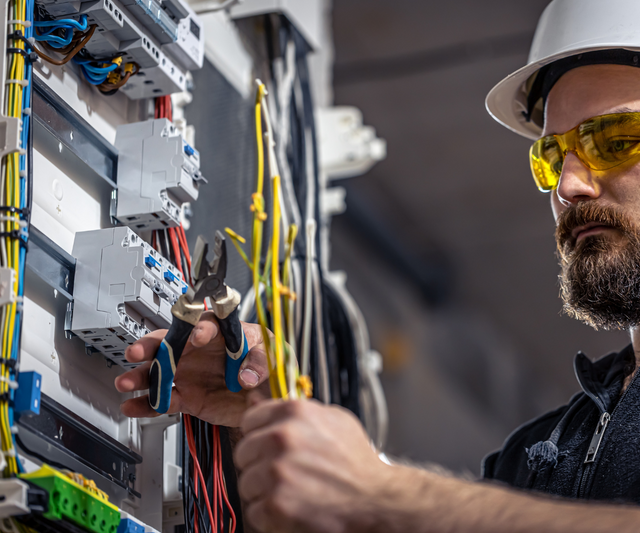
[163,367]
[237,348]
[232,366]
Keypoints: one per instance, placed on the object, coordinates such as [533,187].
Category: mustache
[585,212]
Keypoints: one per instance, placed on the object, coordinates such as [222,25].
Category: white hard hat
[575,29]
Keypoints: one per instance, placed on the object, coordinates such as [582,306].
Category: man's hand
[200,389]
[306,467]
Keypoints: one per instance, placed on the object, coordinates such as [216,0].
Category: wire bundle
[68,37]
[205,471]
[16,199]
[284,378]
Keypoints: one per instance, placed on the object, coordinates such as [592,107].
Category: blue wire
[96,70]
[93,79]
[81,25]
[55,40]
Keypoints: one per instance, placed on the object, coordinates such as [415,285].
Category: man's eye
[557,167]
[621,145]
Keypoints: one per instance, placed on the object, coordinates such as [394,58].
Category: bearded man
[309,467]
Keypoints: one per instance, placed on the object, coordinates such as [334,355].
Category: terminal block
[165,43]
[123,289]
[158,171]
[69,500]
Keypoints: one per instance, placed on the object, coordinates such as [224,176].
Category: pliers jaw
[208,278]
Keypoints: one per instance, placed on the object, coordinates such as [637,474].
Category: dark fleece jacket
[589,448]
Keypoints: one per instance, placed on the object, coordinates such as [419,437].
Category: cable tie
[19,221]
[16,234]
[9,453]
[23,174]
[24,83]
[27,111]
[18,35]
[14,430]
[5,397]
[11,363]
[25,23]
[10,382]
[20,51]
[24,211]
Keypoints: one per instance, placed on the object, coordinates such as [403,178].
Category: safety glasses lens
[546,158]
[601,143]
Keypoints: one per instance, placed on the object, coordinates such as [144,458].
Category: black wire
[162,239]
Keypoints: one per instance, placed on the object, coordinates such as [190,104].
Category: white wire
[377,422]
[310,230]
[212,6]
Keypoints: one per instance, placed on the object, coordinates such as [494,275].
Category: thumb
[254,369]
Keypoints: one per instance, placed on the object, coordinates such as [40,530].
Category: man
[308,467]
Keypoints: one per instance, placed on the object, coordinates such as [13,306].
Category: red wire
[176,250]
[217,454]
[168,113]
[182,238]
[192,451]
[182,241]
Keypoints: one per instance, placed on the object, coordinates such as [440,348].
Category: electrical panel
[123,289]
[101,193]
[165,40]
[158,171]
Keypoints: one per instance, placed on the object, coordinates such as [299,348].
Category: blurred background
[447,244]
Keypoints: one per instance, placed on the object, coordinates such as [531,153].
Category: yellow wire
[259,216]
[14,103]
[276,299]
[279,293]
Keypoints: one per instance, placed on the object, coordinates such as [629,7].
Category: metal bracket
[58,124]
[51,263]
[151,504]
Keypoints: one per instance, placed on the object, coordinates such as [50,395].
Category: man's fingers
[254,369]
[261,444]
[256,481]
[145,348]
[138,408]
[135,379]
[270,411]
[256,514]
[205,331]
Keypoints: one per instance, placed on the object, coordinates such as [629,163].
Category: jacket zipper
[594,446]
[596,440]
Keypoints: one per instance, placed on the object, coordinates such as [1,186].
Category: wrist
[381,500]
[406,498]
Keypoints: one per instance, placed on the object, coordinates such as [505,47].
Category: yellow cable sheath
[258,221]
[276,301]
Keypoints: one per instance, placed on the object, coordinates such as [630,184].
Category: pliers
[208,282]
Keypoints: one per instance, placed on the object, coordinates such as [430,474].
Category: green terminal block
[71,501]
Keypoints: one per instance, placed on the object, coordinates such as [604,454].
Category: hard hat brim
[507,101]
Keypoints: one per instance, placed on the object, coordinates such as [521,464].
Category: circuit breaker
[158,171]
[165,40]
[123,289]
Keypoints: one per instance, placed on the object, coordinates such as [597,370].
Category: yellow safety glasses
[600,143]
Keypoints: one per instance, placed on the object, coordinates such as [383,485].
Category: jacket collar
[602,380]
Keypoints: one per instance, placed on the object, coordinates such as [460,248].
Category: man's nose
[577,182]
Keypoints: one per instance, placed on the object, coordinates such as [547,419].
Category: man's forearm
[419,501]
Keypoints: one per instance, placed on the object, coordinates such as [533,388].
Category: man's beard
[600,278]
